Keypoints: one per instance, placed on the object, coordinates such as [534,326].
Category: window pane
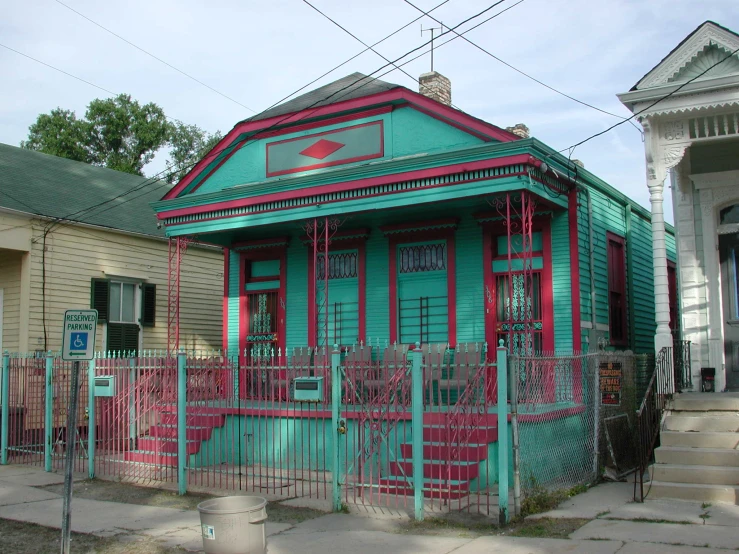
[115,302]
[127,304]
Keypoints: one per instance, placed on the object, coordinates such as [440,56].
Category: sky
[258,52]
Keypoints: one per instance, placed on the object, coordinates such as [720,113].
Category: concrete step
[445,434]
[696,474]
[701,402]
[458,471]
[703,439]
[681,455]
[446,453]
[692,492]
[702,421]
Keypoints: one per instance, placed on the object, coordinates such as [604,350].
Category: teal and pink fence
[411,428]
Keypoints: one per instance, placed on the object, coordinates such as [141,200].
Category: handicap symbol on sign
[78,341]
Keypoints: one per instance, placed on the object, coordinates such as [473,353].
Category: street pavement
[617,525]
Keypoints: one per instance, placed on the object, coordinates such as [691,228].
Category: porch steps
[432,488]
[160,446]
[698,456]
[451,458]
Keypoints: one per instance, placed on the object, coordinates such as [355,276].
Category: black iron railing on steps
[649,417]
[681,363]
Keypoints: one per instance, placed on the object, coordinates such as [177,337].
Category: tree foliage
[121,134]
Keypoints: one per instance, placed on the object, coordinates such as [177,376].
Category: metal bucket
[234,525]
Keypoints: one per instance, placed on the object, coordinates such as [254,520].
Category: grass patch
[552,528]
[29,538]
[542,500]
[652,520]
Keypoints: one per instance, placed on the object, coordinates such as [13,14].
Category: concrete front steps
[698,458]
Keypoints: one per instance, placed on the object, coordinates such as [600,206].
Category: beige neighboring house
[57,254]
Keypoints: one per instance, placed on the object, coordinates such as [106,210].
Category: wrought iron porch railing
[649,417]
[681,361]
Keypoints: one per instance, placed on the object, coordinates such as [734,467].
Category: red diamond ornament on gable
[322,149]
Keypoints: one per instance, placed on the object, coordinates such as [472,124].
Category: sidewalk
[616,525]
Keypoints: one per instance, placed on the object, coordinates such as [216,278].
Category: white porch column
[656,175]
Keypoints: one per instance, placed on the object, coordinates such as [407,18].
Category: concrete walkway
[617,525]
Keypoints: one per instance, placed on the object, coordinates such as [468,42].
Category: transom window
[422,257]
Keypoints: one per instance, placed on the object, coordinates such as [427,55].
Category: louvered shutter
[148,304]
[123,337]
[99,297]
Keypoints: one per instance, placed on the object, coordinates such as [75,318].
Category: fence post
[5,399]
[513,376]
[48,411]
[336,426]
[181,421]
[417,429]
[132,432]
[596,409]
[91,425]
[502,363]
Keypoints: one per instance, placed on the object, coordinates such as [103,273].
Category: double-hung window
[617,312]
[125,306]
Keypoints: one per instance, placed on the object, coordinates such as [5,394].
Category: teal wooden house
[366,213]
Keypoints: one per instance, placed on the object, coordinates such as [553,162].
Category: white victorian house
[688,106]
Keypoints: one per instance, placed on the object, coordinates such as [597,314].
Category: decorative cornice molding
[262,243]
[493,217]
[687,52]
[716,180]
[450,223]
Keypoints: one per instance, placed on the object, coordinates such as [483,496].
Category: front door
[729,253]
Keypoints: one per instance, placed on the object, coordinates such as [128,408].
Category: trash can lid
[232,505]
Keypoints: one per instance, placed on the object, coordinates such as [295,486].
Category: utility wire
[355,37]
[153,179]
[155,57]
[59,70]
[518,70]
[368,78]
[355,56]
[665,97]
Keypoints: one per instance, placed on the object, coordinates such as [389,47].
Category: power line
[155,57]
[59,70]
[368,78]
[356,55]
[19,201]
[665,97]
[347,31]
[518,70]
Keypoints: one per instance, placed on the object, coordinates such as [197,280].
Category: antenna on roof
[432,29]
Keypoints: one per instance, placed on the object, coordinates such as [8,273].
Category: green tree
[119,133]
[59,133]
[123,134]
[188,144]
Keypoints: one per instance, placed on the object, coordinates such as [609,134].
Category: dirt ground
[27,538]
[111,491]
[473,525]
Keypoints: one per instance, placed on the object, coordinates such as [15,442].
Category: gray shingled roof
[352,86]
[51,186]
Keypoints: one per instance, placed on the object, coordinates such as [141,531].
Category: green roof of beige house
[50,186]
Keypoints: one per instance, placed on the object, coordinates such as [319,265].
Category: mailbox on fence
[105,385]
[308,389]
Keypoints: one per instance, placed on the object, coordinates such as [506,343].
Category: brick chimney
[436,86]
[519,129]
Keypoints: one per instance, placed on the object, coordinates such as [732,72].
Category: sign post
[78,343]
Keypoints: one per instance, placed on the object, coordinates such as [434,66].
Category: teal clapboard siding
[561,283]
[233,300]
[643,284]
[414,133]
[469,275]
[296,303]
[377,318]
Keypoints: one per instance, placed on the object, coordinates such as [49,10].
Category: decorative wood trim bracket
[450,223]
[349,234]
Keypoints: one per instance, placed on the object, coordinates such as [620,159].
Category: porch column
[656,175]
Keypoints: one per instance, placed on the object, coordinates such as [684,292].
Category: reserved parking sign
[78,340]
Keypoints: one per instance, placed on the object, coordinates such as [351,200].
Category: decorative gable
[708,44]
